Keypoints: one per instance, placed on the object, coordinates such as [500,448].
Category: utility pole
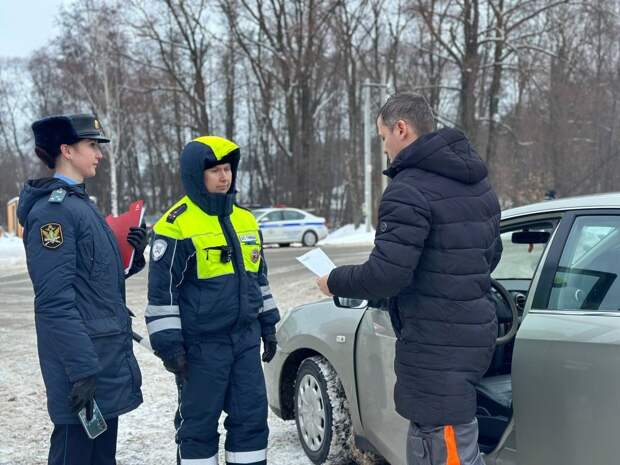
[367,164]
[383,89]
[367,161]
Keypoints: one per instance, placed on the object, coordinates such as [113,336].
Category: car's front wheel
[322,413]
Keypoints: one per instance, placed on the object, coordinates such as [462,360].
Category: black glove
[270,345]
[83,395]
[137,237]
[178,366]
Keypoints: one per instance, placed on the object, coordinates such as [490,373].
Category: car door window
[290,215]
[587,274]
[273,216]
[519,260]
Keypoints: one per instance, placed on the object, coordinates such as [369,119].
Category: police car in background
[286,225]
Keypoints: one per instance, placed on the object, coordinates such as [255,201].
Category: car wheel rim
[311,412]
[309,239]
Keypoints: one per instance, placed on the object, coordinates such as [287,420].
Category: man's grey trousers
[444,445]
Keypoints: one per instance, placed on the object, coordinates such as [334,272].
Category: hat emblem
[97,125]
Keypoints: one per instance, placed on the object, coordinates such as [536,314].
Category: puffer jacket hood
[34,189]
[446,152]
[200,154]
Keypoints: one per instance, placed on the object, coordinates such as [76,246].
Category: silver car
[284,226]
[553,387]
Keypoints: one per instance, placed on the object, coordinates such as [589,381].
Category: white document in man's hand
[317,261]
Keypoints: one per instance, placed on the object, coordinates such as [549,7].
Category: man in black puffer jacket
[436,244]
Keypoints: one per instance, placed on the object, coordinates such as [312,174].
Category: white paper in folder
[317,261]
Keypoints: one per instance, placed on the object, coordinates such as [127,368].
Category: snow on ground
[349,235]
[12,254]
[146,435]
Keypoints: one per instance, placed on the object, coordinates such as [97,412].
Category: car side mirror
[530,237]
[345,302]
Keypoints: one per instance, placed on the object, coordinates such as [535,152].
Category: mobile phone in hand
[96,425]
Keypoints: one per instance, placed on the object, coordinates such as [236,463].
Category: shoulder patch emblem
[383,227]
[176,212]
[51,235]
[57,196]
[159,249]
[249,239]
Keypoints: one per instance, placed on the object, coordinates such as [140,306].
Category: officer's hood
[35,189]
[446,152]
[200,154]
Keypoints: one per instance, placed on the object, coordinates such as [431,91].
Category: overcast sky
[26,25]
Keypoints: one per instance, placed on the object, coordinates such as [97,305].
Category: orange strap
[450,438]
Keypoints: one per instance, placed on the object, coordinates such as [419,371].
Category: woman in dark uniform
[84,334]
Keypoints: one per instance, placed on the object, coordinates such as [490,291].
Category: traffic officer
[84,334]
[209,304]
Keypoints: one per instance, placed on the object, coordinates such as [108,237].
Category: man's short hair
[410,107]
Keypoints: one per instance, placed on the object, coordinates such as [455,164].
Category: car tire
[322,413]
[309,239]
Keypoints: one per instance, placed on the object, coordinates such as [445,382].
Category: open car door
[566,364]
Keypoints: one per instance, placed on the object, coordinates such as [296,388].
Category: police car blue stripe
[288,225]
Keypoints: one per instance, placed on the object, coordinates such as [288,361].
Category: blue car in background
[284,226]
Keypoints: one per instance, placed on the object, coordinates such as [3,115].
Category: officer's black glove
[137,237]
[82,395]
[270,344]
[178,366]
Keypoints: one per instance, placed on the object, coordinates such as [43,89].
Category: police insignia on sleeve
[159,249]
[51,235]
[248,239]
[255,255]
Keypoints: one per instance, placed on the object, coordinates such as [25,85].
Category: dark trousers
[223,377]
[69,445]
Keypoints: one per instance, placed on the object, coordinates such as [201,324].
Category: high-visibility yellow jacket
[207,273]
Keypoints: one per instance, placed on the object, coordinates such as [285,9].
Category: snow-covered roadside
[12,254]
[349,235]
[146,435]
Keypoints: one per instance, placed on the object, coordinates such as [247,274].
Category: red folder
[120,227]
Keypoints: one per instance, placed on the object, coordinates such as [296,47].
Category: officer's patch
[57,196]
[255,255]
[159,249]
[51,235]
[249,239]
[383,226]
[176,212]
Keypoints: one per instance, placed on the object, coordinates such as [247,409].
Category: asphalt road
[16,293]
[25,426]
